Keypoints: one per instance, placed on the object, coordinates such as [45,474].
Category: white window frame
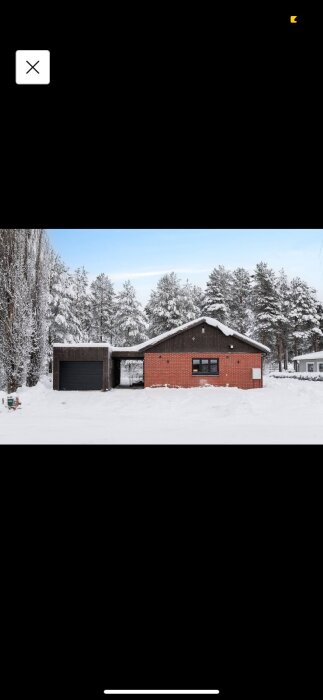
[320,363]
[310,363]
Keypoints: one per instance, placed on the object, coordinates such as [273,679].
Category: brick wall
[175,369]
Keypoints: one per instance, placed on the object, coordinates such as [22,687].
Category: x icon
[32,67]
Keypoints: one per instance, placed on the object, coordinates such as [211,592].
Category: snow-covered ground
[283,412]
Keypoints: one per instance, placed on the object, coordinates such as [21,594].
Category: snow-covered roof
[204,319]
[311,356]
[80,345]
[154,341]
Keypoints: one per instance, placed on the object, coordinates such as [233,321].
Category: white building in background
[313,362]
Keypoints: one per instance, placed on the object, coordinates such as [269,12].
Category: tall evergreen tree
[81,305]
[304,316]
[283,329]
[102,310]
[320,314]
[217,295]
[62,327]
[193,299]
[266,306]
[239,301]
[165,308]
[316,334]
[130,322]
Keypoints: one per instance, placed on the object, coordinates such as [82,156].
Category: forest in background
[43,302]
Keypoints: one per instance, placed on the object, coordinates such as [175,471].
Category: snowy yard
[283,412]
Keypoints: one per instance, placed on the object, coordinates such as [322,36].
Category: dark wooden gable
[195,340]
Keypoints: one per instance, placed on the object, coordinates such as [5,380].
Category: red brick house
[199,353]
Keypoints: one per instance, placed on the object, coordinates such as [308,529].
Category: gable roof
[175,331]
[310,356]
[210,322]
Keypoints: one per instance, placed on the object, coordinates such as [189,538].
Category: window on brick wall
[205,366]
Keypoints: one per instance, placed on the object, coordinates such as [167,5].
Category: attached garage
[81,367]
[80,376]
[200,353]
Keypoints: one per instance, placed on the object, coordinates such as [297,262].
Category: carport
[117,356]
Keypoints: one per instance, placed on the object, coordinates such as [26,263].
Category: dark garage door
[80,376]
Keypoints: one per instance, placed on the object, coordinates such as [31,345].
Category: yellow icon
[293,19]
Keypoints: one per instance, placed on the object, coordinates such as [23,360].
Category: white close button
[32,67]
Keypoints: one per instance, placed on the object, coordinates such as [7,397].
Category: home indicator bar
[161,692]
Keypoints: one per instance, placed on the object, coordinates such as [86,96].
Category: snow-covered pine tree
[266,307]
[240,301]
[217,294]
[39,253]
[165,308]
[304,316]
[283,322]
[130,322]
[320,313]
[16,321]
[62,327]
[193,299]
[81,305]
[3,382]
[316,335]
[102,310]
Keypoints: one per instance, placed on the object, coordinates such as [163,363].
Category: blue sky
[144,255]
